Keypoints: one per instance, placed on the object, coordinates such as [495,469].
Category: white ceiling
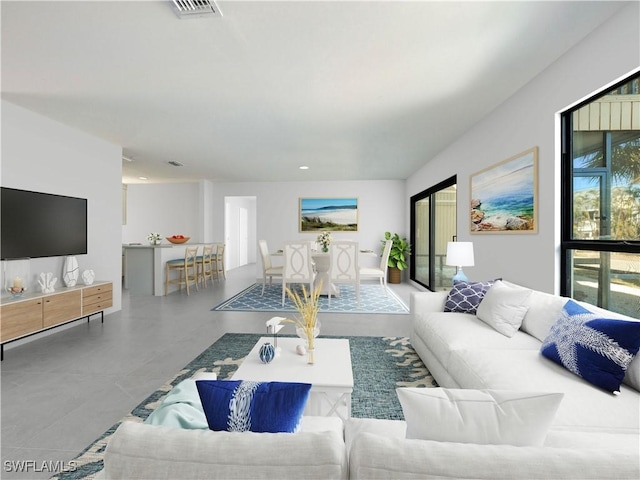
[355,90]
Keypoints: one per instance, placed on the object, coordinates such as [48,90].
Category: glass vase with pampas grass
[307,324]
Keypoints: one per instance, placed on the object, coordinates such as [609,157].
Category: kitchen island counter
[144,266]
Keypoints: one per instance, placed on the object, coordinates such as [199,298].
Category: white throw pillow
[497,417]
[504,307]
[544,309]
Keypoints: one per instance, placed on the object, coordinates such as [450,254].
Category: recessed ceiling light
[303,167]
[143,178]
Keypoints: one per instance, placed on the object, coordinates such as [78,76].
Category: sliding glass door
[433,224]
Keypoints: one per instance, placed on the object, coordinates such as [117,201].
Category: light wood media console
[36,312]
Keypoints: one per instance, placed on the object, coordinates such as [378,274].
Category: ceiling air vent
[175,164]
[196,8]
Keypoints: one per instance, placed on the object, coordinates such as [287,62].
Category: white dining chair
[379,272]
[268,270]
[298,266]
[343,268]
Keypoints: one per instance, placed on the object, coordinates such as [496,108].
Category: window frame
[567,243]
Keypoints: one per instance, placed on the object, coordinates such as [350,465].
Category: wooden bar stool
[187,268]
[218,261]
[205,264]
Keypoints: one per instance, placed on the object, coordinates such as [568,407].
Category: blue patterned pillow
[595,348]
[240,406]
[465,297]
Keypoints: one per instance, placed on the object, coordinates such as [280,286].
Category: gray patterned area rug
[373,299]
[380,364]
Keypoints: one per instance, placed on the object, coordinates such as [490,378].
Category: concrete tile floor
[61,391]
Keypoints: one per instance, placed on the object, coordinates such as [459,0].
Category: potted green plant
[398,257]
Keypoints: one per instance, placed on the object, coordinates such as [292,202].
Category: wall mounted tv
[36,224]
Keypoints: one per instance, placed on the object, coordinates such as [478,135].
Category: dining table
[322,263]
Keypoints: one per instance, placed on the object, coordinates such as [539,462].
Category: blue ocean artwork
[508,205]
[507,190]
[316,206]
[334,213]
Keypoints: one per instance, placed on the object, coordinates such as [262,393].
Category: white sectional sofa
[461,351]
[594,431]
[142,451]
[594,434]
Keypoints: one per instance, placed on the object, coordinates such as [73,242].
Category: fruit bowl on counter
[178,239]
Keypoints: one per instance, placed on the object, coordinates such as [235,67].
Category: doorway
[239,231]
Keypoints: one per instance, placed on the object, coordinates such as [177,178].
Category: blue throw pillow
[595,348]
[240,406]
[465,297]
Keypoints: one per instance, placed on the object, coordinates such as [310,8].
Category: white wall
[42,155]
[381,205]
[206,232]
[169,209]
[526,120]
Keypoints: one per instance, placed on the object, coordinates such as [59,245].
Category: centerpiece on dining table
[307,324]
[324,239]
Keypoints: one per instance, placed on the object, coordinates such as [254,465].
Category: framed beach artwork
[329,214]
[504,196]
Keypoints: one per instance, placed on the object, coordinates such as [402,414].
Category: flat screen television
[34,224]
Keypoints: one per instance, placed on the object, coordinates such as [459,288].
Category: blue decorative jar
[267,353]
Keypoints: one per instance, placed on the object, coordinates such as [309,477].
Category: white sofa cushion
[632,377]
[504,307]
[584,407]
[544,309]
[354,427]
[422,302]
[437,369]
[379,457]
[445,332]
[149,451]
[498,417]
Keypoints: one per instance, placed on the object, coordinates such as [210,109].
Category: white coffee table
[331,375]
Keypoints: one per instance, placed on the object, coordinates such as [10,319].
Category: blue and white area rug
[380,365]
[372,300]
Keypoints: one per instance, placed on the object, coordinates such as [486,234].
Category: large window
[601,199]
[433,224]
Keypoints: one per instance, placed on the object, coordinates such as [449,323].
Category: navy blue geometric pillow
[594,348]
[465,297]
[240,406]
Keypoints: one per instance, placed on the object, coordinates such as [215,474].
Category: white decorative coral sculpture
[47,282]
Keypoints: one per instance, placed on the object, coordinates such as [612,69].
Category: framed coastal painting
[504,196]
[328,214]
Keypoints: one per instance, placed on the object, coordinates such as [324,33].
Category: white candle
[17,282]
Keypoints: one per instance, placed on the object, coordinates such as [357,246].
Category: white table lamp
[460,254]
